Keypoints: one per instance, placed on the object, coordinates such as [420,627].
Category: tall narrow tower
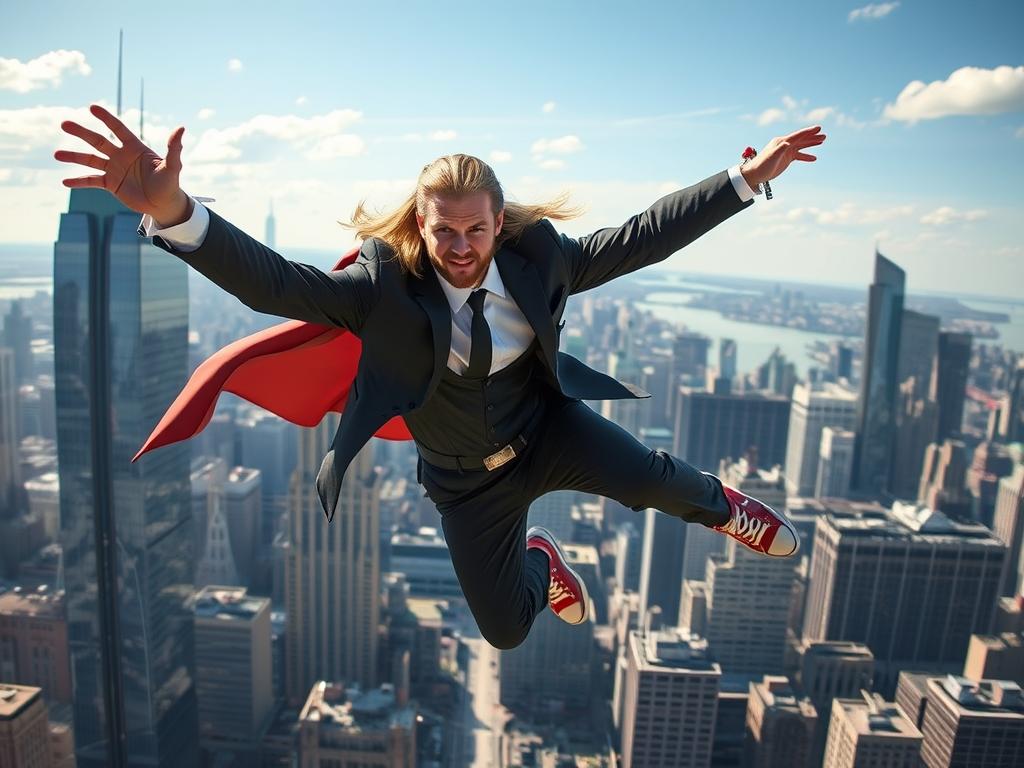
[876,408]
[270,236]
[120,319]
[332,572]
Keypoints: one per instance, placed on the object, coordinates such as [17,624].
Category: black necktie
[480,338]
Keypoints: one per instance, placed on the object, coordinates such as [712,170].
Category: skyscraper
[748,598]
[967,722]
[24,728]
[780,725]
[233,670]
[709,427]
[120,319]
[1008,525]
[10,465]
[950,381]
[670,700]
[270,229]
[869,732]
[835,463]
[876,406]
[942,485]
[909,583]
[813,409]
[1011,426]
[332,574]
[17,335]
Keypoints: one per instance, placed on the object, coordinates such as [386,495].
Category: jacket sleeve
[267,282]
[671,223]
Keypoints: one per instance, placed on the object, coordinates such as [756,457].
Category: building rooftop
[354,710]
[14,698]
[874,716]
[38,603]
[1000,699]
[673,648]
[580,554]
[838,648]
[778,694]
[915,522]
[228,603]
[426,610]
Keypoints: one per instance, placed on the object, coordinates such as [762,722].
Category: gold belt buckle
[503,456]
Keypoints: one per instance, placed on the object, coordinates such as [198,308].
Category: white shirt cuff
[188,235]
[740,184]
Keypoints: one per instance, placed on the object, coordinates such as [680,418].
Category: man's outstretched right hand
[133,173]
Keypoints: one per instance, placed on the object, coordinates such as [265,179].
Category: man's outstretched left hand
[779,153]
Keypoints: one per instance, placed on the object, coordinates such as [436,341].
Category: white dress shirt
[511,334]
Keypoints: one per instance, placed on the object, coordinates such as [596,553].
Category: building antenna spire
[120,53]
[142,97]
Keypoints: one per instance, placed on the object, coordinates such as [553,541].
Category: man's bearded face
[460,233]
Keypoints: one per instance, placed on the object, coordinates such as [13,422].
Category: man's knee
[504,635]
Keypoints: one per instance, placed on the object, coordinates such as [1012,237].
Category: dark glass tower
[951,381]
[876,408]
[120,310]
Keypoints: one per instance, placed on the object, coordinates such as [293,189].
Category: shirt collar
[457,297]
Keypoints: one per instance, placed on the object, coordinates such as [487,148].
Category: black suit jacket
[404,322]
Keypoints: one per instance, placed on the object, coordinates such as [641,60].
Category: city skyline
[922,108]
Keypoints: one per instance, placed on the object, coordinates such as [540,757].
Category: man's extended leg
[483,515]
[581,450]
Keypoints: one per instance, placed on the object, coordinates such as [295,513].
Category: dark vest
[476,417]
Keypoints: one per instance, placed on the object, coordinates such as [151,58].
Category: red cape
[295,369]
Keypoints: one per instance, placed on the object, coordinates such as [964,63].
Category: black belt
[492,462]
[497,459]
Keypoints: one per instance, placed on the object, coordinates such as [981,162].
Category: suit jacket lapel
[427,292]
[523,283]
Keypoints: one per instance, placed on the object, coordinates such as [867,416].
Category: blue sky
[319,105]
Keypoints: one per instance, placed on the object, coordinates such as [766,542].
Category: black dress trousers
[484,513]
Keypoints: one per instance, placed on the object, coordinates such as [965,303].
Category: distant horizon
[1011,298]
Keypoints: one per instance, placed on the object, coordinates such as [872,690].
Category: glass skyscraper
[877,404]
[120,310]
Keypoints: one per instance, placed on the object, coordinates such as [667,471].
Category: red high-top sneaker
[567,594]
[757,526]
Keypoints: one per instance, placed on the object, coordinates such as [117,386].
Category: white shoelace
[557,590]
[746,527]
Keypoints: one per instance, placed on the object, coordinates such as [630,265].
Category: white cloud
[29,136]
[872,11]
[1020,132]
[771,115]
[795,112]
[549,106]
[42,71]
[564,145]
[319,137]
[947,215]
[845,214]
[234,65]
[968,91]
[500,156]
[205,113]
[445,135]
[551,163]
[330,147]
[819,114]
[300,101]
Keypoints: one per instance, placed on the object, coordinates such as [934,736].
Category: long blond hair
[455,175]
